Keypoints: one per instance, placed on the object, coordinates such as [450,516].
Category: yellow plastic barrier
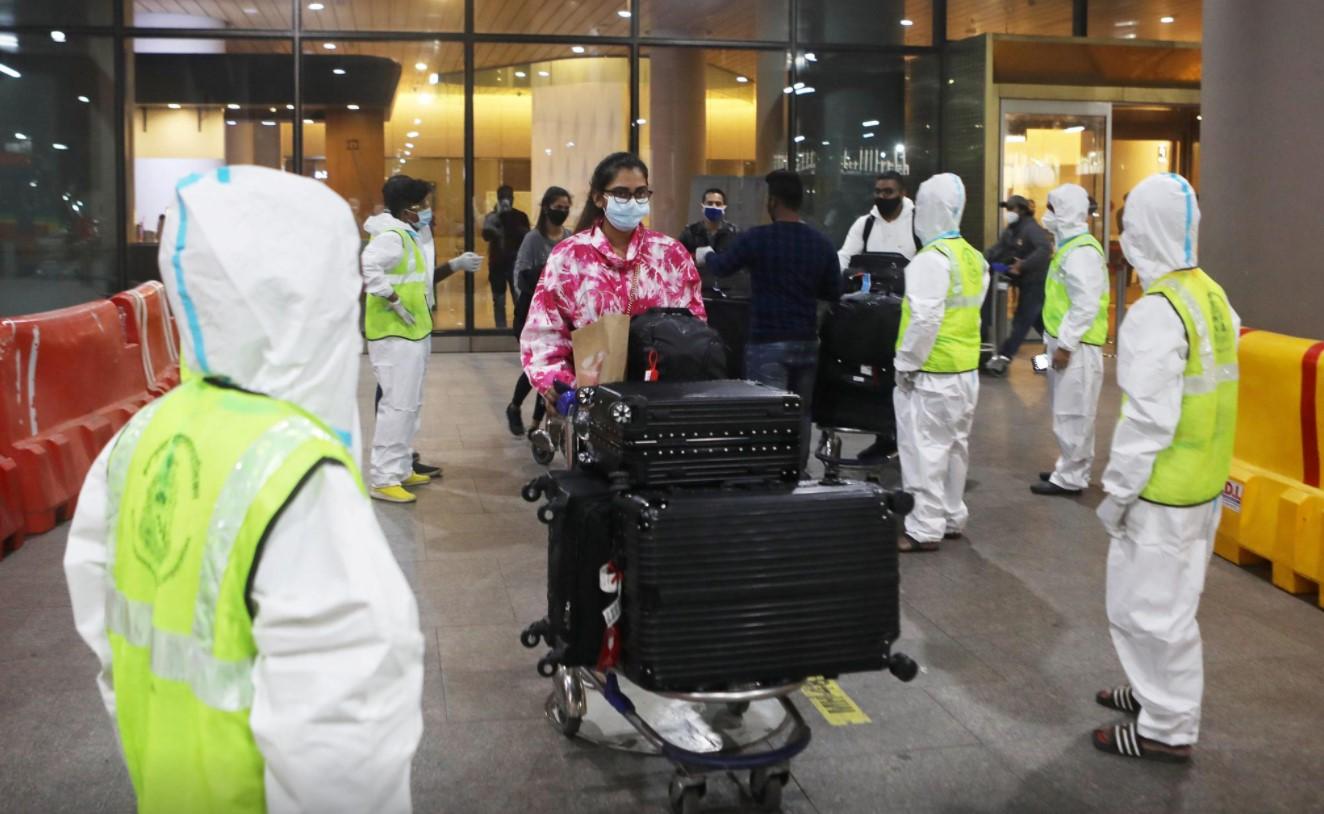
[1273,507]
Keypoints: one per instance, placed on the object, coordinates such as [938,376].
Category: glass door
[1046,144]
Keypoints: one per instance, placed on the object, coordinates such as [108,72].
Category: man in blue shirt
[791,267]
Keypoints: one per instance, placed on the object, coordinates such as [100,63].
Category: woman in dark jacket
[533,252]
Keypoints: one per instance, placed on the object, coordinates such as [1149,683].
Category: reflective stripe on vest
[379,319]
[1195,466]
[1057,298]
[956,348]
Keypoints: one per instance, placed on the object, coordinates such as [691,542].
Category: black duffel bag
[862,330]
[676,345]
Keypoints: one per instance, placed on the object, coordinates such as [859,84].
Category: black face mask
[557,216]
[888,207]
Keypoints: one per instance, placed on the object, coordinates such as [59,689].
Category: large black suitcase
[731,586]
[691,433]
[855,366]
[578,514]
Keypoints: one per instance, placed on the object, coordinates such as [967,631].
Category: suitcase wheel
[546,666]
[686,795]
[546,513]
[902,666]
[765,786]
[532,490]
[534,633]
[901,503]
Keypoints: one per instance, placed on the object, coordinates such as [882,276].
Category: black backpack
[679,346]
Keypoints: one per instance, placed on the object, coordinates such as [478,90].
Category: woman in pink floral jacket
[612,265]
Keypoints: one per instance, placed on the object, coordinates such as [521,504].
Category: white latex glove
[1113,514]
[701,255]
[399,309]
[855,295]
[905,380]
[467,262]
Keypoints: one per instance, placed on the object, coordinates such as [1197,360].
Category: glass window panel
[194,105]
[374,109]
[858,115]
[383,15]
[1046,18]
[57,172]
[250,14]
[888,22]
[718,120]
[544,115]
[45,12]
[593,18]
[715,19]
[1145,19]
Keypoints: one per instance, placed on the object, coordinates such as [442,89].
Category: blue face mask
[424,218]
[714,213]
[625,216]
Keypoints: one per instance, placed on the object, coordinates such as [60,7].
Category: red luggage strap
[609,580]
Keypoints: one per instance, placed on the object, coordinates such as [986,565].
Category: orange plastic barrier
[69,379]
[1273,507]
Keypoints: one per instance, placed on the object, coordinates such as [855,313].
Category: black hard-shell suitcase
[692,433]
[729,316]
[855,366]
[578,514]
[731,586]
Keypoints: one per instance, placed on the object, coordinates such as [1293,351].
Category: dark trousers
[791,365]
[522,390]
[501,278]
[1029,314]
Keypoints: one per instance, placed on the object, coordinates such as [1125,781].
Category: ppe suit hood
[1160,227]
[1071,211]
[383,221]
[261,268]
[938,207]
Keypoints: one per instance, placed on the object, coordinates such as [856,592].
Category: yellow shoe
[416,479]
[391,494]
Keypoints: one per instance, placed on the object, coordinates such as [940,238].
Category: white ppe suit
[1158,554]
[934,411]
[1074,391]
[338,680]
[399,364]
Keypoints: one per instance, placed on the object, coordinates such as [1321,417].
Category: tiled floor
[1009,626]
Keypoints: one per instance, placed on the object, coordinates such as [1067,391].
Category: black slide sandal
[1124,740]
[1120,698]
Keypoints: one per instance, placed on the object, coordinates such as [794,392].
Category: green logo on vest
[175,471]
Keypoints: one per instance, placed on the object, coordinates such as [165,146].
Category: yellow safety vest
[409,279]
[194,483]
[956,350]
[1057,302]
[1194,468]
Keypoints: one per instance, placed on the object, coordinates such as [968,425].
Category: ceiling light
[250,10]
[798,85]
[273,110]
[900,148]
[1166,20]
[418,121]
[21,136]
[32,184]
[231,122]
[268,123]
[232,106]
[810,56]
[951,81]
[338,71]
[520,74]
[289,107]
[803,91]
[85,100]
[420,66]
[315,6]
[576,49]
[1077,128]
[907,23]
[1126,24]
[412,134]
[870,123]
[60,146]
[330,46]
[544,74]
[1016,139]
[641,122]
[434,79]
[8,71]
[174,106]
[57,36]
[408,152]
[867,135]
[569,145]
[409,145]
[742,79]
[548,151]
[351,107]
[624,14]
[826,143]
[1199,118]
[788,89]
[404,161]
[798,139]
[309,121]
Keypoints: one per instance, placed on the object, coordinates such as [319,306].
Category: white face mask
[1012,217]
[626,216]
[1050,221]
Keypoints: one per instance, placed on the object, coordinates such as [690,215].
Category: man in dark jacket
[503,229]
[1026,249]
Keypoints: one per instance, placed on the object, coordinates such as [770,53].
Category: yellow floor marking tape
[833,703]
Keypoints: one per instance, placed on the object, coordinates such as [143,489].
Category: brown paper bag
[609,336]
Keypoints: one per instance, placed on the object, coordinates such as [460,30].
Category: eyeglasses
[623,194]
